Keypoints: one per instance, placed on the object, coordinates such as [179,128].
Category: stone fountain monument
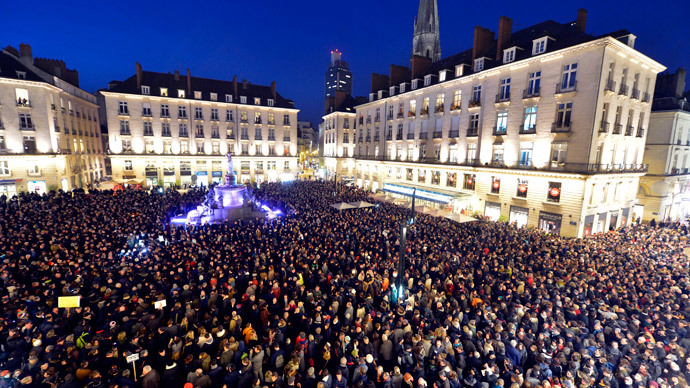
[228,201]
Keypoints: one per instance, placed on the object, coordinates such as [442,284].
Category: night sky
[290,41]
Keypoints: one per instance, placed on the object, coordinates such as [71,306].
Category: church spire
[426,41]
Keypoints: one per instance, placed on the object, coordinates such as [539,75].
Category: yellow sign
[68,301]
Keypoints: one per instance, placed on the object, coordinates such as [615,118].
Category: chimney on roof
[244,84]
[398,74]
[505,29]
[234,85]
[189,83]
[378,82]
[670,84]
[177,75]
[273,90]
[483,37]
[138,76]
[25,54]
[581,19]
[420,65]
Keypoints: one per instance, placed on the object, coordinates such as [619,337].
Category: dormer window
[228,98]
[459,70]
[509,55]
[257,101]
[539,45]
[180,93]
[442,76]
[402,87]
[145,90]
[21,74]
[427,80]
[371,98]
[197,95]
[270,102]
[214,96]
[414,84]
[391,91]
[243,99]
[478,64]
[164,92]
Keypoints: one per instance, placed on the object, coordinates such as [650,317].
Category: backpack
[280,361]
[81,341]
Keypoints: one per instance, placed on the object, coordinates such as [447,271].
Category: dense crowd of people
[306,300]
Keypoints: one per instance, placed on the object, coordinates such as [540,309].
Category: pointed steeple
[426,41]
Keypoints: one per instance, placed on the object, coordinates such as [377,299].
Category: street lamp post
[399,290]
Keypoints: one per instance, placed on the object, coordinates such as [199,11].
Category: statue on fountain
[230,174]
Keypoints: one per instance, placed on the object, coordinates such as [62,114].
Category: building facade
[49,128]
[339,128]
[172,129]
[544,127]
[338,76]
[664,192]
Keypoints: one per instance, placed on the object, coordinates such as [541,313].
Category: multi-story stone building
[49,130]
[175,129]
[544,127]
[339,138]
[665,191]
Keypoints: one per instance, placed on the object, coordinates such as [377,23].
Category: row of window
[169,147]
[34,168]
[123,110]
[185,167]
[199,131]
[24,100]
[198,95]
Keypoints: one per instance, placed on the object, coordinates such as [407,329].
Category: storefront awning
[9,182]
[436,195]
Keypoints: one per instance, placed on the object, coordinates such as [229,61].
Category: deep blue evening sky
[290,41]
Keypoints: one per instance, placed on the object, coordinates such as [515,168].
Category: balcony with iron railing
[389,116]
[499,131]
[286,138]
[244,136]
[456,106]
[454,133]
[424,111]
[258,136]
[401,115]
[475,102]
[376,138]
[215,135]
[423,135]
[439,109]
[629,130]
[368,139]
[411,113]
[623,90]
[199,134]
[568,88]
[610,86]
[562,127]
[503,97]
[389,137]
[244,121]
[678,171]
[635,94]
[527,130]
[410,135]
[604,127]
[472,132]
[399,135]
[531,93]
[640,132]
[617,129]
[437,134]
[646,97]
